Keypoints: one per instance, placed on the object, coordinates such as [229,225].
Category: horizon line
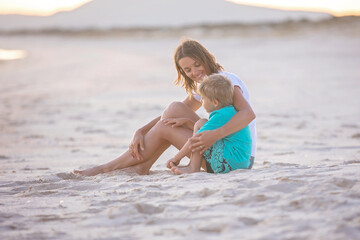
[48,13]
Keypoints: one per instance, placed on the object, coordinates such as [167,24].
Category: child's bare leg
[197,160]
[203,164]
[184,151]
[199,124]
[197,127]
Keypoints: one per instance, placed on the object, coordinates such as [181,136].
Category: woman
[192,62]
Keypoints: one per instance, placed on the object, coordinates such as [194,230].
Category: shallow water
[75,102]
[7,55]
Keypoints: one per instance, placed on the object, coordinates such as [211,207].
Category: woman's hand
[177,122]
[202,141]
[137,144]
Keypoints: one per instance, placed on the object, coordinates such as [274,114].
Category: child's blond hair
[219,87]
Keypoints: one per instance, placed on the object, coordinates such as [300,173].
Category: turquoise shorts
[215,161]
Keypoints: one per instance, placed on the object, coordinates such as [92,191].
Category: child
[227,154]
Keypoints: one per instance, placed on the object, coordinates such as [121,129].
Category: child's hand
[172,160]
[176,122]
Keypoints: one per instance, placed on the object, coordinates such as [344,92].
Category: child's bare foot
[89,172]
[172,161]
[181,170]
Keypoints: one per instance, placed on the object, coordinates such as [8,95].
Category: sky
[49,7]
[38,7]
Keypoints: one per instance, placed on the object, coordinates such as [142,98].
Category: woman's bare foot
[138,169]
[90,171]
[141,169]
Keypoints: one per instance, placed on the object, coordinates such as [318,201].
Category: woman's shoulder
[231,76]
[236,81]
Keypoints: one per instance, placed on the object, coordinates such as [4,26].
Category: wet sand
[75,102]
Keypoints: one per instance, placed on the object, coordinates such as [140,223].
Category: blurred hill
[109,14]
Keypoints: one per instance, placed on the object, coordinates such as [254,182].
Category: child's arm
[178,122]
[184,151]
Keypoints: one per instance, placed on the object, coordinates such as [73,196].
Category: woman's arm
[202,141]
[148,126]
[192,103]
[241,119]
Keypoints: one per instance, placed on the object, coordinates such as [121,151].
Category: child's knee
[199,124]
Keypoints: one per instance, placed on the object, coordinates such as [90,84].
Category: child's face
[209,105]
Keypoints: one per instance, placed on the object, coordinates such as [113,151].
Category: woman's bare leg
[156,141]
[144,167]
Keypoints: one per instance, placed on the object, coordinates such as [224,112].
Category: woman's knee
[199,124]
[173,110]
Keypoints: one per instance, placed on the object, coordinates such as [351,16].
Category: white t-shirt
[236,81]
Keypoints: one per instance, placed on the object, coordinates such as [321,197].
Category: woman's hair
[219,87]
[193,49]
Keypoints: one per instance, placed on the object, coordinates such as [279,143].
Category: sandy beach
[74,102]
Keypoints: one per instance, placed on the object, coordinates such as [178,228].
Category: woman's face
[193,69]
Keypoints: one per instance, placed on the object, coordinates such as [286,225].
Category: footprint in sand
[344,183]
[145,208]
[283,187]
[248,221]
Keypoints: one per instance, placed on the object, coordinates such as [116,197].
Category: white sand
[75,102]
